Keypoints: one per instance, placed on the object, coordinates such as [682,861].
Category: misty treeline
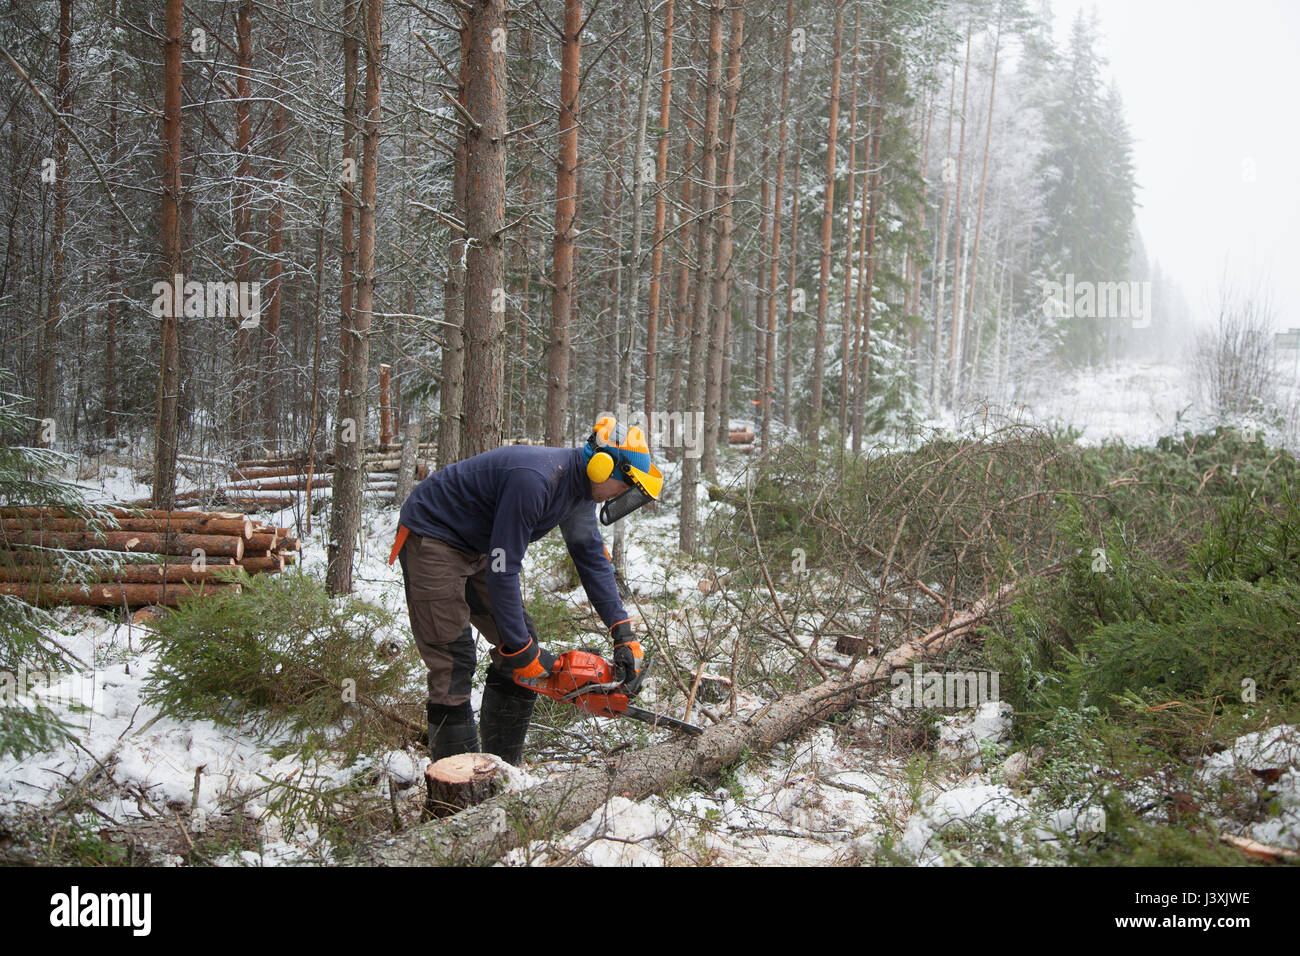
[829,219]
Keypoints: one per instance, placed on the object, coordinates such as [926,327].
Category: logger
[461,541]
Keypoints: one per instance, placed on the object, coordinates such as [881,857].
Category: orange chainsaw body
[574,670]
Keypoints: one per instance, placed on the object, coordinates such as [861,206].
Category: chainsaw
[586,680]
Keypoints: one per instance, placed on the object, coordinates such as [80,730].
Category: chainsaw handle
[633,687]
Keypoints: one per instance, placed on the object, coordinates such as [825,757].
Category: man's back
[461,504]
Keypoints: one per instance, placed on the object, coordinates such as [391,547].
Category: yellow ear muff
[601,466]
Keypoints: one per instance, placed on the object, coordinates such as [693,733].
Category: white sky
[1212,93]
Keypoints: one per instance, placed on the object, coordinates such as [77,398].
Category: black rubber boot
[506,713]
[451,730]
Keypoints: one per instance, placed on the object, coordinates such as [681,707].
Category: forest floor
[879,784]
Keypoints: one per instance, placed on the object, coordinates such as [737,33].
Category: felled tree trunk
[481,834]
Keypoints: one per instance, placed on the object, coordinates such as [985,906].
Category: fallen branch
[1260,851]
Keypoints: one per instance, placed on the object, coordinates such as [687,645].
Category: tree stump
[406,470]
[850,645]
[454,783]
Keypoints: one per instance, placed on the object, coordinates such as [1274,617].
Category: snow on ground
[1137,403]
[966,734]
[164,762]
[1133,402]
[1272,753]
[825,798]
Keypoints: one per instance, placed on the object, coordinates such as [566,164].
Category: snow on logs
[183,552]
[262,484]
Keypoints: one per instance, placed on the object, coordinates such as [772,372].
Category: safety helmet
[614,451]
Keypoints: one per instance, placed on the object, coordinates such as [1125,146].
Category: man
[461,542]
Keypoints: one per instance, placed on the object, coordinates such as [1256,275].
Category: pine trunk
[704,274]
[566,212]
[715,413]
[954,330]
[661,206]
[451,395]
[828,216]
[349,478]
[485,220]
[774,262]
[164,465]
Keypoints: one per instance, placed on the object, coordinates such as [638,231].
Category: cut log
[262,541]
[127,574]
[456,783]
[219,545]
[272,564]
[273,502]
[285,483]
[238,526]
[852,645]
[483,833]
[298,464]
[113,595]
[148,614]
[251,497]
[26,511]
[276,471]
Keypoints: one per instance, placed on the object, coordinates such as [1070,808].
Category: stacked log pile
[132,557]
[270,484]
[742,439]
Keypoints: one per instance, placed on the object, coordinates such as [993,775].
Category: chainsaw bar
[586,680]
[659,720]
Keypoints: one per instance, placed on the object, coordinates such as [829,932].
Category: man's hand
[628,658]
[530,666]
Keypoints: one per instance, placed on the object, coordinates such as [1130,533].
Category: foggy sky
[1210,91]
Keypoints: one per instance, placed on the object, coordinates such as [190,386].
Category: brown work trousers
[446,592]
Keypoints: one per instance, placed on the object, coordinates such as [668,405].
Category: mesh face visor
[624,505]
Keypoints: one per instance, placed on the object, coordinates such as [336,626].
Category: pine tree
[1089,187]
[27,478]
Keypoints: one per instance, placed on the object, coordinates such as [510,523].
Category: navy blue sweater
[498,503]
